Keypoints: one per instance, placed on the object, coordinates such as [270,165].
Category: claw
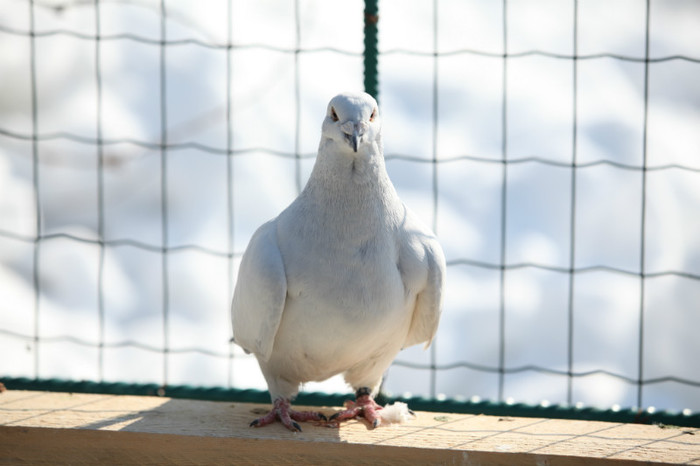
[363,406]
[287,416]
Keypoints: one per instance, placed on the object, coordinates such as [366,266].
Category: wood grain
[61,428]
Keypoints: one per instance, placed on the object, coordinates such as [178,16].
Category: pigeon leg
[363,406]
[282,411]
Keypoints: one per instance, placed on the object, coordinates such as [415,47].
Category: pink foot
[281,411]
[363,406]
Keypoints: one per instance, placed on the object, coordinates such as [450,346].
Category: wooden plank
[61,428]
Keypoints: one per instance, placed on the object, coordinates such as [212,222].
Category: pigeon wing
[426,314]
[422,264]
[260,294]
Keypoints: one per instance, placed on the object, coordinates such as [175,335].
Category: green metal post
[370,53]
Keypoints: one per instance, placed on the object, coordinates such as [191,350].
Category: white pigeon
[343,279]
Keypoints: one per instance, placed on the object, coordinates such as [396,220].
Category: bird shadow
[213,419]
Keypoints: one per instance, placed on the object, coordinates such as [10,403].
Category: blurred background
[554,146]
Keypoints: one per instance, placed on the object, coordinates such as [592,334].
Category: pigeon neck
[355,174]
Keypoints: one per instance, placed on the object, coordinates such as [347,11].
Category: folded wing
[260,293]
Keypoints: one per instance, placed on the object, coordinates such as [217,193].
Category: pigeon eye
[373,115]
[334,116]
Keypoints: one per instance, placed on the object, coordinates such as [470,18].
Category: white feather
[396,413]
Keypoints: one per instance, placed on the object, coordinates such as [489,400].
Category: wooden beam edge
[43,446]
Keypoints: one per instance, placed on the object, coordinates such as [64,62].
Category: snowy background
[107,312]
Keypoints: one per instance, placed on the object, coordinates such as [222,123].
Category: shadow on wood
[61,428]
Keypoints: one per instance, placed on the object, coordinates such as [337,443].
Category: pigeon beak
[355,139]
[353,133]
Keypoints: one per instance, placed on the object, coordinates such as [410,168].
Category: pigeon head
[352,121]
